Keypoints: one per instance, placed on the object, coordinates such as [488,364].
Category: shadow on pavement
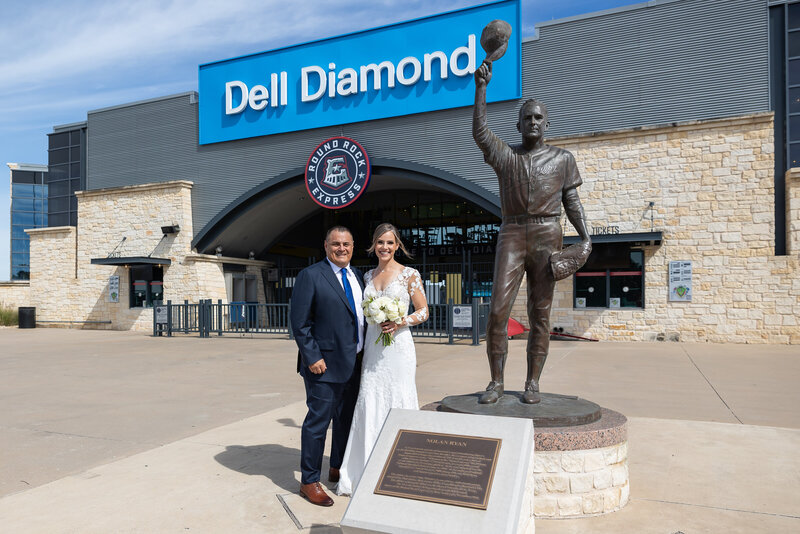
[325,529]
[275,462]
[286,421]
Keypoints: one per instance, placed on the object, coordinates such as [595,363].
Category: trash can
[27,317]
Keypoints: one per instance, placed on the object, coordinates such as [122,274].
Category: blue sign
[413,67]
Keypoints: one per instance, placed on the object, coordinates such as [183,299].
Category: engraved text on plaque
[442,468]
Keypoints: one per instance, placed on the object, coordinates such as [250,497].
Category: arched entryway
[449,224]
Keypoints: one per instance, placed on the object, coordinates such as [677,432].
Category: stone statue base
[554,410]
[580,468]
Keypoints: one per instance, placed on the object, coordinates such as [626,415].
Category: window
[28,210]
[58,219]
[18,232]
[613,277]
[22,203]
[147,286]
[58,140]
[65,157]
[22,190]
[20,246]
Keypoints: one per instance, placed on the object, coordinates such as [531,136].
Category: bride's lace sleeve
[417,293]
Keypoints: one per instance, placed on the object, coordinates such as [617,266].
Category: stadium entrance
[451,240]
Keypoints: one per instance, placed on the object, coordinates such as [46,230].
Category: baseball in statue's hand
[484,73]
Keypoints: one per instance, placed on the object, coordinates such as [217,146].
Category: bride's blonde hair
[382,229]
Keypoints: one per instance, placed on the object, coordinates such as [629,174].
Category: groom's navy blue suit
[325,327]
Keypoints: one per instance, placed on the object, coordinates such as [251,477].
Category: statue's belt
[523,219]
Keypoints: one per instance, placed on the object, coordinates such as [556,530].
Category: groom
[327,322]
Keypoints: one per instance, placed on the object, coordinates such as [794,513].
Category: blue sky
[60,59]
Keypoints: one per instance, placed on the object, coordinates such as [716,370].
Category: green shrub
[8,316]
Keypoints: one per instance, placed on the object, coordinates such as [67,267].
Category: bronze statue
[535,179]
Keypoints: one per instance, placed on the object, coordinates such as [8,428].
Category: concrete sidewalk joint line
[710,384]
[719,508]
[70,435]
[289,511]
[563,356]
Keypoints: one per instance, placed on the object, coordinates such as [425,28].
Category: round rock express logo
[337,172]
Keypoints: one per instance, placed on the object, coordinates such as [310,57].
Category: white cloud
[12,112]
[55,41]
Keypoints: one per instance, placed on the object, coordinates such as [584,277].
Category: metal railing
[207,317]
[450,321]
[454,321]
[462,282]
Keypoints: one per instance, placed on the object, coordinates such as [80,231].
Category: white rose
[374,306]
[395,318]
[380,317]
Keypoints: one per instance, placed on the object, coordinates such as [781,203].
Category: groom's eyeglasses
[337,244]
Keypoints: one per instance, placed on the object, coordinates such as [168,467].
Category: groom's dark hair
[337,228]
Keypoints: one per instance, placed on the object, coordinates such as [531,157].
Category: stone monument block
[437,472]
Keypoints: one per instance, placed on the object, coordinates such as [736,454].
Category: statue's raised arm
[479,126]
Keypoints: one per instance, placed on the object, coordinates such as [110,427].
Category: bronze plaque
[442,468]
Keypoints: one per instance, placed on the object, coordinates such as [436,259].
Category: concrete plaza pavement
[122,432]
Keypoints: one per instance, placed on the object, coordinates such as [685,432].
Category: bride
[388,373]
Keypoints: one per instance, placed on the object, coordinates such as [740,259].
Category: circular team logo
[337,172]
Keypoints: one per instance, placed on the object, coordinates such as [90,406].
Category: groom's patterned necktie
[349,292]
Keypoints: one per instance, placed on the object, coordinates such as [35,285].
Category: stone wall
[206,278]
[202,278]
[793,212]
[15,294]
[53,282]
[712,187]
[582,482]
[66,286]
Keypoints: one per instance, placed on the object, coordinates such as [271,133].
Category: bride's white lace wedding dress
[387,378]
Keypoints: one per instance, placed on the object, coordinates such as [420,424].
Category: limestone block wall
[66,286]
[53,284]
[15,294]
[202,278]
[712,187]
[793,212]
[128,220]
[581,482]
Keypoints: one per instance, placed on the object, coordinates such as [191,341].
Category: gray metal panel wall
[671,61]
[667,62]
[142,143]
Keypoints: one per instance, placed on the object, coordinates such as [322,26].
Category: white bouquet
[378,310]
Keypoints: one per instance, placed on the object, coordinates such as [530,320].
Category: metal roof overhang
[638,238]
[131,260]
[259,218]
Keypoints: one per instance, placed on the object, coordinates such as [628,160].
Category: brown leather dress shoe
[531,393]
[493,392]
[333,475]
[315,494]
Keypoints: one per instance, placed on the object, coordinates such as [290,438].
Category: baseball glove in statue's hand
[565,262]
